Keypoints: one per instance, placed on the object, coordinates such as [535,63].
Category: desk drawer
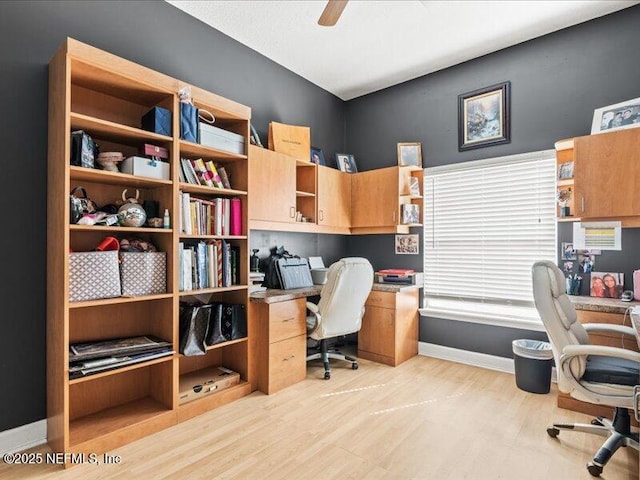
[287,319]
[287,363]
[381,299]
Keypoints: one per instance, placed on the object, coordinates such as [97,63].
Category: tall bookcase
[106,96]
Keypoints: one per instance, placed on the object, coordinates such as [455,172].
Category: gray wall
[556,83]
[153,34]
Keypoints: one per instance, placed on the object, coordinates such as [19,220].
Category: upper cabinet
[334,197]
[605,176]
[374,199]
[272,179]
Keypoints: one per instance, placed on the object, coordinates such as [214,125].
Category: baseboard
[23,437]
[476,359]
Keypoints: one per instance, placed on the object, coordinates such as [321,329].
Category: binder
[294,272]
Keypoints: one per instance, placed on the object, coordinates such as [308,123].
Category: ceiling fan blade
[332,12]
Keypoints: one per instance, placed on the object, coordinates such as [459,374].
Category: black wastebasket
[533,360]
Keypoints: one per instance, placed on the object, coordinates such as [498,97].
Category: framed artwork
[568,253]
[565,171]
[484,117]
[606,285]
[410,154]
[317,156]
[407,244]
[410,214]
[346,162]
[616,117]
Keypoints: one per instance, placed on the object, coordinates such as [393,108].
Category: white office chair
[340,309]
[590,373]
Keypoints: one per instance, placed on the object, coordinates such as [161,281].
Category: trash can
[533,360]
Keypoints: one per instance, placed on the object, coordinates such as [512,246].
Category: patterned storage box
[143,273]
[93,275]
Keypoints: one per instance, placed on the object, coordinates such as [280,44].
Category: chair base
[326,353]
[618,433]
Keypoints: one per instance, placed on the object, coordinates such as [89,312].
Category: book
[111,363]
[215,177]
[118,346]
[224,177]
[205,177]
[235,227]
[189,172]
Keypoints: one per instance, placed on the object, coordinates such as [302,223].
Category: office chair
[340,309]
[590,373]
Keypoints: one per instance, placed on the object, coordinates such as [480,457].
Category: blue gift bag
[157,120]
[189,123]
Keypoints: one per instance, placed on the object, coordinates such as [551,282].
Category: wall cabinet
[606,177]
[334,197]
[106,96]
[389,332]
[374,199]
[281,343]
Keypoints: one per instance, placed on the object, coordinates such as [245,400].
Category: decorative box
[143,273]
[157,120]
[221,139]
[205,382]
[145,167]
[93,275]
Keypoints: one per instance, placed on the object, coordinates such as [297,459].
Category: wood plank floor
[426,419]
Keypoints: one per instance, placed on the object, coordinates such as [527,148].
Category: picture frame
[410,154]
[568,253]
[410,214]
[317,156]
[346,162]
[606,284]
[618,116]
[565,171]
[407,244]
[484,117]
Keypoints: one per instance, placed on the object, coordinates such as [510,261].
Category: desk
[599,310]
[389,332]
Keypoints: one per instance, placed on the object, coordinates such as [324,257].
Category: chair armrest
[313,307]
[610,328]
[577,350]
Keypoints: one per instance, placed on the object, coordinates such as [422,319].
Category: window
[486,223]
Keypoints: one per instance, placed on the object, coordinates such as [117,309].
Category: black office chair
[590,373]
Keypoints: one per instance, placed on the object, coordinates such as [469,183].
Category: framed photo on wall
[484,117]
[407,244]
[409,154]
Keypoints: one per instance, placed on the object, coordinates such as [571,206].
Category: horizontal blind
[486,223]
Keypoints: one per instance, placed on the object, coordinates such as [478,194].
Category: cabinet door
[607,177]
[374,198]
[377,333]
[334,197]
[272,183]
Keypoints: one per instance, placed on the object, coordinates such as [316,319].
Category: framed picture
[565,171]
[410,154]
[317,156]
[568,253]
[410,213]
[606,285]
[484,117]
[616,117]
[346,162]
[407,244]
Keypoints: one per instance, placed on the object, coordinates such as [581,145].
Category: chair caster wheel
[594,470]
[354,366]
[595,421]
[553,432]
[327,375]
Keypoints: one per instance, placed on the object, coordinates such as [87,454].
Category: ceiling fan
[332,12]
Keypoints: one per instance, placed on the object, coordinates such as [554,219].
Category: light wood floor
[426,419]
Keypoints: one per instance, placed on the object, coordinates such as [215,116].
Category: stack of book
[90,358]
[213,216]
[203,172]
[211,264]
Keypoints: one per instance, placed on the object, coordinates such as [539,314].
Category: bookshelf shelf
[107,96]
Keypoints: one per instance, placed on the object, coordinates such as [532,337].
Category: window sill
[495,315]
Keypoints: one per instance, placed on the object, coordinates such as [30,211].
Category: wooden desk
[599,310]
[389,332]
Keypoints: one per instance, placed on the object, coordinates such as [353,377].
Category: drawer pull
[288,319]
[290,357]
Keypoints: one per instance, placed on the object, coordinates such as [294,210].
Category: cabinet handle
[321,215]
[582,203]
[290,357]
[292,212]
[287,319]
[393,217]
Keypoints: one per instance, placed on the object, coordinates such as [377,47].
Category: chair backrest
[558,316]
[342,298]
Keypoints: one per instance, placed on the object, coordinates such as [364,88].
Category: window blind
[486,223]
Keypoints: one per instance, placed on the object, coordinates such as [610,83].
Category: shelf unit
[106,96]
[565,154]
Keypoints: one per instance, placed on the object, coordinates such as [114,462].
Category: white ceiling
[376,44]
